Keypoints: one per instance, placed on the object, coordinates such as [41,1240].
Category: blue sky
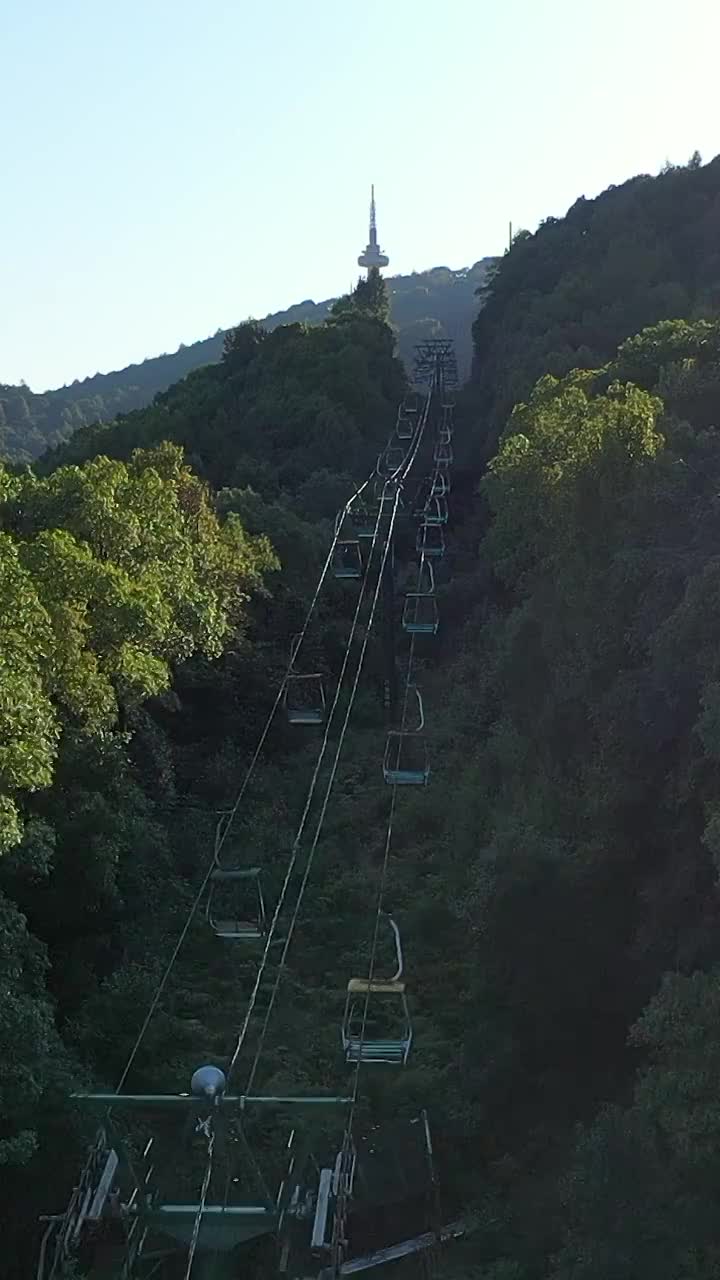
[171,167]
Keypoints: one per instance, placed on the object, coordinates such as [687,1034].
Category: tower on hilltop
[373,258]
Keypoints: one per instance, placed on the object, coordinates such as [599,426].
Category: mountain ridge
[439,302]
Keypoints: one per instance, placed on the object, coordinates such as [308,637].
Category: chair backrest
[347,559]
[221,910]
[304,699]
[430,540]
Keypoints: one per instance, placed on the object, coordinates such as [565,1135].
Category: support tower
[373,257]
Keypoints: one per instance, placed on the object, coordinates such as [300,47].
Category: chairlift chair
[363,517]
[383,490]
[436,511]
[235,907]
[430,540]
[420,610]
[390,460]
[422,497]
[304,699]
[360,1036]
[404,427]
[445,435]
[386,491]
[405,762]
[347,559]
[443,453]
[440,486]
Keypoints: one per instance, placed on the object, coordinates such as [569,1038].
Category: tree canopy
[556,882]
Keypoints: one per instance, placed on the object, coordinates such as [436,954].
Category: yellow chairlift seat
[384,986]
[366,1017]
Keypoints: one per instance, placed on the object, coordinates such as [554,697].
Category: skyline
[170,172]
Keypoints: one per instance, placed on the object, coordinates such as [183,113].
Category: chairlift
[236,907]
[420,610]
[390,460]
[404,427]
[436,511]
[347,559]
[440,486]
[304,699]
[361,1036]
[430,540]
[443,453]
[386,491]
[405,762]
[445,435]
[363,517]
[422,497]
[304,695]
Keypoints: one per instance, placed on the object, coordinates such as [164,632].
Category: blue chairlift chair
[430,540]
[405,762]
[420,610]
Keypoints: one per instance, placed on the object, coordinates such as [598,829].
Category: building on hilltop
[372,257]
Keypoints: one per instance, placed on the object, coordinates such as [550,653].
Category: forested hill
[580,744]
[567,296]
[146,620]
[556,882]
[426,304]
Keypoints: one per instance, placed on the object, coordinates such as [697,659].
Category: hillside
[567,296]
[436,303]
[556,882]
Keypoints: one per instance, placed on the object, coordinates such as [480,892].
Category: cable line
[409,459]
[203,1199]
[202,890]
[328,792]
[306,810]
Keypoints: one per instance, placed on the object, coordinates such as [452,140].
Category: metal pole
[388,599]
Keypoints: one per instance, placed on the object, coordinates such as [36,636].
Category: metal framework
[436,363]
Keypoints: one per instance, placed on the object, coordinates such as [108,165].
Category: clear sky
[171,167]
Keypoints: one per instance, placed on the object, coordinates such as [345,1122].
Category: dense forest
[556,882]
[426,304]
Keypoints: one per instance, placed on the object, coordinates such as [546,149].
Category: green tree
[110,573]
